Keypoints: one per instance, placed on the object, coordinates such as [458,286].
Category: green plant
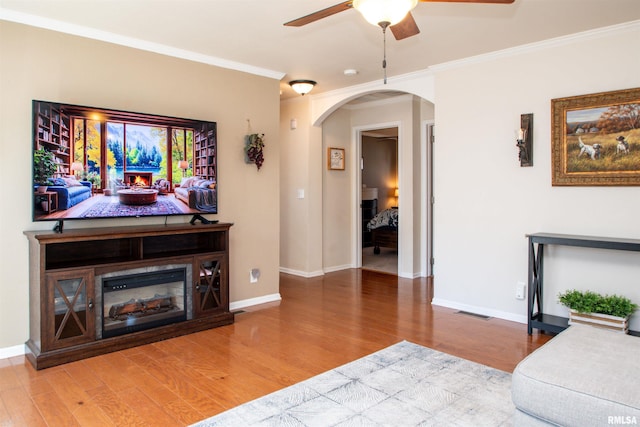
[44,166]
[592,302]
[93,178]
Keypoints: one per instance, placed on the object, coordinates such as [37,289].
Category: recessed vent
[468,313]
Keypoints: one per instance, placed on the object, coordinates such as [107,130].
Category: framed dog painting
[596,139]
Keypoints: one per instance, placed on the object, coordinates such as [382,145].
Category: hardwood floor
[320,323]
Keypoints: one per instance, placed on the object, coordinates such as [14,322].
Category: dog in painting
[593,151]
[623,146]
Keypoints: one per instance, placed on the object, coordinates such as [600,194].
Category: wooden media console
[66,310]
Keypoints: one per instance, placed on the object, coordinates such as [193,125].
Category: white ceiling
[250,32]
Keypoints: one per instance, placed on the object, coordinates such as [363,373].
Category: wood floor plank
[21,409]
[139,402]
[321,323]
[53,410]
[118,411]
[90,414]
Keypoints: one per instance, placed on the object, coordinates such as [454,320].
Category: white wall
[486,203]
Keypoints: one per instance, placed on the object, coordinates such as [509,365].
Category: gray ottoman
[584,376]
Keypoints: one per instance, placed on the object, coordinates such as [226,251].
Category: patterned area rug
[110,209]
[402,385]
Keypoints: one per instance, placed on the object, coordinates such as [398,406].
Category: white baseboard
[338,268]
[238,305]
[16,350]
[480,310]
[306,274]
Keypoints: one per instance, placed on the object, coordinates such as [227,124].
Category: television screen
[91,163]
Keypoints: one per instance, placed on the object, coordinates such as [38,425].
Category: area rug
[402,385]
[110,209]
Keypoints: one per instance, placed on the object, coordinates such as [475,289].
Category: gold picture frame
[595,139]
[335,158]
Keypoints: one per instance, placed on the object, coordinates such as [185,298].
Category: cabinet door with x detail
[69,313]
[210,290]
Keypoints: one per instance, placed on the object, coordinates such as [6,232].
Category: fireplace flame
[139,181]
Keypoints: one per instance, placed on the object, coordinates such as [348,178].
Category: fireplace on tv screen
[138,179]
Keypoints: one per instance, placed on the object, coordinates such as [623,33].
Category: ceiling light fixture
[384,13]
[390,12]
[302,86]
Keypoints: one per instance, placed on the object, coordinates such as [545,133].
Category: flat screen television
[95,163]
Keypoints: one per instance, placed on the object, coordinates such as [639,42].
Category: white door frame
[427,140]
[356,179]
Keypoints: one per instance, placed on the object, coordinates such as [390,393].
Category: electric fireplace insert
[142,300]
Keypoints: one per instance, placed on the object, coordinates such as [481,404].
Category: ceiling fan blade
[470,1]
[405,28]
[315,16]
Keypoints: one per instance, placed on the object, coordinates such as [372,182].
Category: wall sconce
[302,86]
[525,140]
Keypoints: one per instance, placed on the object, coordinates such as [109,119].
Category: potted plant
[44,167]
[94,179]
[606,311]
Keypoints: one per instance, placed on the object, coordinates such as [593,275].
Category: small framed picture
[335,158]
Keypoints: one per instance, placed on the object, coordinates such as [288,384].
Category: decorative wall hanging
[335,158]
[596,139]
[524,141]
[254,144]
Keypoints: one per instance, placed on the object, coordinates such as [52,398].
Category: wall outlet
[254,275]
[520,290]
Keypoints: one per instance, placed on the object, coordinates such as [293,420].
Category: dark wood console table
[536,318]
[64,309]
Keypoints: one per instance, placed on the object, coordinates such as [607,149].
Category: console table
[536,318]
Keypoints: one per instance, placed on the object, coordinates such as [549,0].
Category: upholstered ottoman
[584,376]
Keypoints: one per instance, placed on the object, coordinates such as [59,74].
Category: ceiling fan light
[302,86]
[391,11]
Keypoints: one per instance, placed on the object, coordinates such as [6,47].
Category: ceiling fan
[405,26]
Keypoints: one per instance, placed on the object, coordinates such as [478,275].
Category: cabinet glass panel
[70,308]
[208,296]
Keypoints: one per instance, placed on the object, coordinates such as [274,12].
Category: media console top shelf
[77,247]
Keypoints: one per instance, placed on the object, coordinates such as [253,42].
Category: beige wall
[338,188]
[300,190]
[41,64]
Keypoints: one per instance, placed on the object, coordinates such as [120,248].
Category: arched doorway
[342,195]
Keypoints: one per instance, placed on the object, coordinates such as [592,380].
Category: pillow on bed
[386,218]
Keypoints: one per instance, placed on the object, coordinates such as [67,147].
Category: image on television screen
[91,163]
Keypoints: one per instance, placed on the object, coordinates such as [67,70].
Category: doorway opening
[379,199]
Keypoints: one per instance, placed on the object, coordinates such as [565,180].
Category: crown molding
[537,46]
[105,36]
